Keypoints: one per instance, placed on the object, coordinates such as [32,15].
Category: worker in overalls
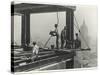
[35,51]
[64,38]
[55,33]
[57,36]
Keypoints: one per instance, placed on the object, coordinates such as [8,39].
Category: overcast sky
[41,24]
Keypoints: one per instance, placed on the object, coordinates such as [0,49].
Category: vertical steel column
[23,31]
[25,38]
[69,24]
[72,24]
[27,21]
[70,33]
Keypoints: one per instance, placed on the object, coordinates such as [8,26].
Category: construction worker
[55,33]
[77,41]
[35,51]
[57,36]
[64,37]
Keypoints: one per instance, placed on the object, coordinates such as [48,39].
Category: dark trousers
[62,43]
[57,42]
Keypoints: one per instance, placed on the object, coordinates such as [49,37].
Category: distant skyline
[41,24]
[88,14]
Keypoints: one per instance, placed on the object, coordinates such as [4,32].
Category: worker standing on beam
[64,37]
[55,33]
[57,36]
[77,41]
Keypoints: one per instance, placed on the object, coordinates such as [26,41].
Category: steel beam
[69,24]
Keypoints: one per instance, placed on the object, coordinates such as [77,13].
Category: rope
[77,26]
[77,23]
[57,24]
[57,18]
[47,41]
[75,29]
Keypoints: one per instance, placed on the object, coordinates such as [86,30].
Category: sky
[89,14]
[42,24]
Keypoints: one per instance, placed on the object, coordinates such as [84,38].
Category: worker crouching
[35,51]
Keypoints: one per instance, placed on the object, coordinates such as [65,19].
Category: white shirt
[35,49]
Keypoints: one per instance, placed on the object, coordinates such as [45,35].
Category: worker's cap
[34,42]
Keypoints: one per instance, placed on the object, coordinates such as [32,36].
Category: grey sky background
[41,24]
